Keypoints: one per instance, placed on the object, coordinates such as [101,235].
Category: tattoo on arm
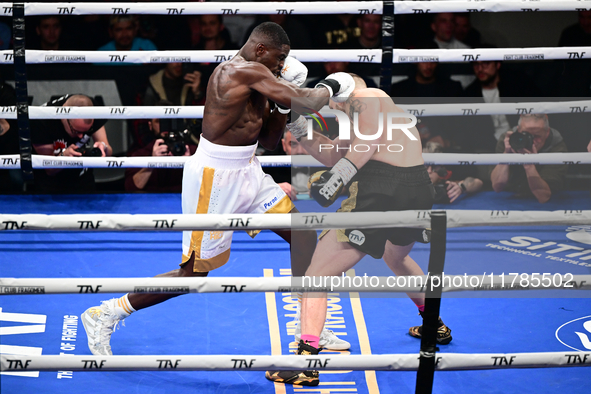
[355,106]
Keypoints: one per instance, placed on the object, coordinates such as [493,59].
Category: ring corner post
[427,357]
[387,46]
[20,82]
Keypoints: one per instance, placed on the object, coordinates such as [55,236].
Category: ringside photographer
[533,135]
[453,182]
[69,137]
[172,139]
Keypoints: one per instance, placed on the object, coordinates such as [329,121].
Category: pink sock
[312,340]
[421,308]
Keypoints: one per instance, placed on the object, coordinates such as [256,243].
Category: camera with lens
[89,151]
[521,140]
[441,196]
[176,137]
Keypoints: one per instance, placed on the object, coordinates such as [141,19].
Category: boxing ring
[55,246]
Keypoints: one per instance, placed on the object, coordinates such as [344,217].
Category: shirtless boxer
[378,180]
[224,176]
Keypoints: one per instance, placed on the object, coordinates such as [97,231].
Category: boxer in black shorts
[384,171]
[379,186]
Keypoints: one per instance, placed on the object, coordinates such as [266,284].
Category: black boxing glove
[326,186]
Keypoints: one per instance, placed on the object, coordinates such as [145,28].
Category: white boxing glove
[294,71]
[340,85]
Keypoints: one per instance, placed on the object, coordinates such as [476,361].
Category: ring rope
[376,362]
[293,221]
[305,8]
[41,161]
[416,284]
[149,112]
[305,55]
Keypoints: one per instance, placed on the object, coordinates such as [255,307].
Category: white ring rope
[40,161]
[375,362]
[375,284]
[196,112]
[305,55]
[294,221]
[325,7]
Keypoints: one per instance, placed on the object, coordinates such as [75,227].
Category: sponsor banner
[358,220]
[386,362]
[221,8]
[488,54]
[418,110]
[327,7]
[100,112]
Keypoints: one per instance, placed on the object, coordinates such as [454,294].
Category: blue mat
[238,323]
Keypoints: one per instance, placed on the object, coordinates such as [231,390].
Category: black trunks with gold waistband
[377,187]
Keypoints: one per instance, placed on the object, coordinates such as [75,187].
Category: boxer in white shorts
[225,179]
[224,176]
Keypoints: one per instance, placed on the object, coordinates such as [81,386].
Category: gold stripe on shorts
[197,236]
[283,206]
[346,206]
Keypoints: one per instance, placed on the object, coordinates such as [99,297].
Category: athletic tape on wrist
[299,128]
[345,169]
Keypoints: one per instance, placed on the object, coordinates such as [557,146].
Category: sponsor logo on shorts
[356,237]
[270,203]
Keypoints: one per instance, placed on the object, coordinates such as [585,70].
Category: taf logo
[576,334]
[356,237]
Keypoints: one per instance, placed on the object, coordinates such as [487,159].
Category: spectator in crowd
[123,30]
[334,31]
[176,84]
[335,67]
[297,180]
[579,34]
[464,32]
[491,85]
[444,27]
[533,135]
[49,34]
[297,31]
[451,184]
[370,37]
[68,137]
[10,180]
[426,82]
[161,180]
[213,37]
[575,78]
[167,32]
